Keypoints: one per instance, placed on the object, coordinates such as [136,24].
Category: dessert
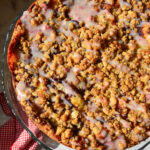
[81,71]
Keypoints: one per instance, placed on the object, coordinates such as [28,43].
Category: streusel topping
[84,68]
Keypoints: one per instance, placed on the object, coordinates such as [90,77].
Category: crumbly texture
[81,71]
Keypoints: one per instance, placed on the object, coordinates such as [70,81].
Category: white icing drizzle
[33,30]
[82,85]
[90,148]
[106,14]
[137,137]
[25,19]
[75,70]
[129,98]
[115,144]
[119,66]
[66,101]
[103,133]
[71,78]
[100,119]
[147,98]
[92,107]
[125,123]
[139,90]
[122,3]
[74,143]
[76,55]
[94,44]
[47,12]
[36,53]
[64,29]
[143,23]
[120,139]
[47,31]
[147,121]
[24,58]
[53,98]
[91,51]
[68,2]
[83,11]
[68,89]
[41,80]
[89,118]
[110,2]
[134,106]
[140,40]
[95,120]
[22,90]
[123,20]
[42,73]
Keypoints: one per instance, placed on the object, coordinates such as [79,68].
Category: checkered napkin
[12,134]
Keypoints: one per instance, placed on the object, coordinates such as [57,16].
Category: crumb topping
[84,69]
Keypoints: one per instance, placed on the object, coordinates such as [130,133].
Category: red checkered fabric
[12,135]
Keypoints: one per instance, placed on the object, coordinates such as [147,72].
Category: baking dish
[46,142]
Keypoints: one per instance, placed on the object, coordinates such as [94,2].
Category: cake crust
[82,74]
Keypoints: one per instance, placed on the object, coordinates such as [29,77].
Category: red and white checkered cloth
[12,134]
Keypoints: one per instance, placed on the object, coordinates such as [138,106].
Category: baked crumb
[83,70]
